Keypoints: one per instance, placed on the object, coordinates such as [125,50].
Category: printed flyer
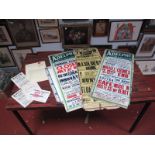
[54,84]
[113,82]
[65,68]
[88,61]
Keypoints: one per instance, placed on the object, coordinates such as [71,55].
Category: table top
[142,90]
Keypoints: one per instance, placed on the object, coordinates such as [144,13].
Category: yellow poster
[88,62]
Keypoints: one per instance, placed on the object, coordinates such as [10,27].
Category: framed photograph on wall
[147,67]
[42,23]
[100,27]
[146,47]
[50,35]
[5,39]
[6,58]
[124,30]
[128,48]
[149,25]
[23,32]
[75,35]
[20,55]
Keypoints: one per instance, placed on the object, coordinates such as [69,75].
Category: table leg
[21,120]
[140,116]
[87,118]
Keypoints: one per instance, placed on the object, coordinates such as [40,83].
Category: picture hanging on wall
[5,39]
[20,55]
[47,23]
[23,32]
[149,25]
[75,35]
[100,27]
[6,58]
[147,67]
[128,48]
[147,46]
[50,35]
[124,31]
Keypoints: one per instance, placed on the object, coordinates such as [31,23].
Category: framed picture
[47,22]
[149,25]
[100,27]
[50,35]
[147,46]
[147,67]
[5,39]
[124,31]
[128,48]
[23,32]
[75,35]
[20,55]
[6,58]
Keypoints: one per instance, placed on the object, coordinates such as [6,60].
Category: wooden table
[142,93]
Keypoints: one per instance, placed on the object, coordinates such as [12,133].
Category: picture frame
[20,55]
[146,46]
[6,59]
[128,48]
[147,67]
[124,30]
[149,25]
[50,35]
[23,32]
[5,39]
[74,36]
[44,23]
[100,27]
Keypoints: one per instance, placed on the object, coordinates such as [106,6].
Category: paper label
[20,97]
[39,95]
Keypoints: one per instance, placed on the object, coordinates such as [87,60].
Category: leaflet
[20,97]
[113,82]
[38,95]
[65,68]
[54,84]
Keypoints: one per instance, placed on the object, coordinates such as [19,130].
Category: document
[20,97]
[35,72]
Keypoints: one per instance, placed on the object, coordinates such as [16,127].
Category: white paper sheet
[35,72]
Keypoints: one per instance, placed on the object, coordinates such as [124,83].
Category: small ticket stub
[38,95]
[20,97]
[20,80]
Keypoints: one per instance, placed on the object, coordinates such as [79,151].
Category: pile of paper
[65,80]
[113,82]
[28,91]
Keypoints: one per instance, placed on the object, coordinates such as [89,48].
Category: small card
[20,97]
[20,80]
[39,95]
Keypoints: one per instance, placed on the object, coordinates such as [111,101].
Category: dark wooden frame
[36,42]
[141,43]
[49,41]
[12,52]
[130,48]
[11,58]
[95,21]
[47,26]
[124,21]
[88,26]
[8,36]
[148,28]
